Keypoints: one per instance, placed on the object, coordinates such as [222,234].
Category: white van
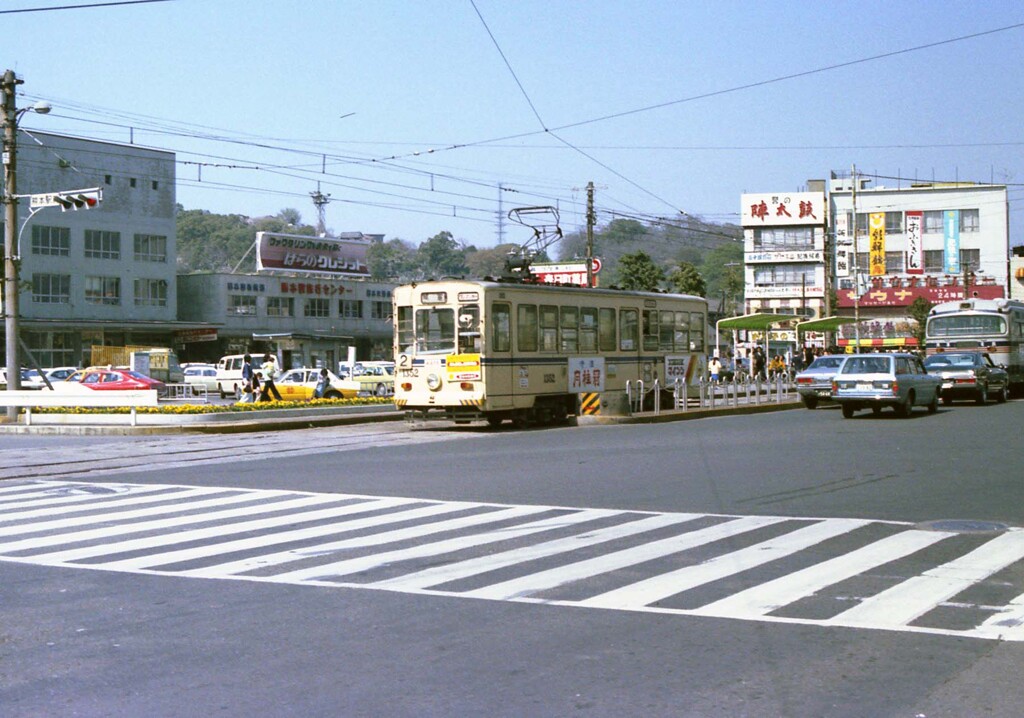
[229,373]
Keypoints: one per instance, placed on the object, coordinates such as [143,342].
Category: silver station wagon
[877,380]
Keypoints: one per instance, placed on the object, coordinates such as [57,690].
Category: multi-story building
[936,241]
[105,275]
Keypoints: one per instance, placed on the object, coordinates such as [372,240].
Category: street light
[11,116]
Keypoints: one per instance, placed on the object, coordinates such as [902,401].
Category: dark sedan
[969,375]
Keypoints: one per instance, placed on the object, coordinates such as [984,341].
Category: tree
[638,271]
[441,256]
[489,262]
[394,259]
[214,242]
[918,311]
[685,279]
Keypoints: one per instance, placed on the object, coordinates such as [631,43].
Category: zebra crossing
[835,572]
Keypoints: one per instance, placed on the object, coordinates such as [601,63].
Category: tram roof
[546,287]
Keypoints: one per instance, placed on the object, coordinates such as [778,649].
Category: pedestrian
[759,364]
[250,382]
[269,371]
[715,368]
[321,385]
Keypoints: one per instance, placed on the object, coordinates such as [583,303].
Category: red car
[101,378]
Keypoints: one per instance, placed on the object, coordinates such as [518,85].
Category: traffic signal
[78,199]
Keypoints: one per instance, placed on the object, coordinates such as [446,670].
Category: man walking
[269,370]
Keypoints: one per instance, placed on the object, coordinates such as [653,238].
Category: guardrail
[187,392]
[29,399]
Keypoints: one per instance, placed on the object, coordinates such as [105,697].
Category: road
[790,564]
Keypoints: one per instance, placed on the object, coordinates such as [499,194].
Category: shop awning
[754,322]
[825,324]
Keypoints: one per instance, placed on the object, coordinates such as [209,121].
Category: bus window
[666,331]
[696,331]
[569,326]
[469,329]
[606,329]
[405,333]
[548,329]
[501,328]
[650,330]
[435,330]
[964,325]
[527,328]
[588,330]
[681,336]
[628,325]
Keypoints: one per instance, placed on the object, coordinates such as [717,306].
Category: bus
[489,350]
[995,326]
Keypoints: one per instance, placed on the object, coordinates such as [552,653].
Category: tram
[993,325]
[494,351]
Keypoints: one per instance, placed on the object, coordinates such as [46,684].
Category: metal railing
[186,392]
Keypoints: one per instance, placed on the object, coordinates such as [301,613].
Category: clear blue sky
[290,88]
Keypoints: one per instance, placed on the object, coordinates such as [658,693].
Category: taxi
[372,379]
[300,384]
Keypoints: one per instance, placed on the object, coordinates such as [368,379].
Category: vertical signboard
[844,245]
[951,228]
[876,247]
[915,249]
[586,374]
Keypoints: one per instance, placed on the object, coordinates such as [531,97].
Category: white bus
[469,350]
[995,326]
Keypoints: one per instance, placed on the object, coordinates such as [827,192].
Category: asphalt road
[735,566]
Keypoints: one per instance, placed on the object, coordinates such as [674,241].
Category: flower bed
[217,408]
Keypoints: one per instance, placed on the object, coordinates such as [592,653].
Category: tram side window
[569,325]
[666,331]
[548,328]
[650,330]
[527,328]
[405,332]
[696,331]
[469,329]
[606,329]
[501,328]
[628,325]
[588,329]
[435,330]
[681,337]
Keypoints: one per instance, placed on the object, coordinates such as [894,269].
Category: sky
[423,116]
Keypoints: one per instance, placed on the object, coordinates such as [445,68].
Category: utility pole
[590,234]
[320,201]
[10,201]
[501,214]
[856,265]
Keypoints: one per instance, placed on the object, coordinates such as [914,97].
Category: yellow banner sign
[463,367]
[876,255]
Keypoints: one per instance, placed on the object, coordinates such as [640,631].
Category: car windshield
[945,360]
[867,365]
[827,363]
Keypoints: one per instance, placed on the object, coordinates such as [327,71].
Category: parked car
[60,373]
[969,375]
[372,378]
[299,385]
[229,373]
[111,379]
[30,379]
[878,380]
[814,383]
[204,375]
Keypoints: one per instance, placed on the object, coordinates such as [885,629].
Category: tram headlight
[433,382]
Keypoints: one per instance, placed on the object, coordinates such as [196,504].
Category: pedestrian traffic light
[78,199]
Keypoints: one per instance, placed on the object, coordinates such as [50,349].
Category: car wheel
[903,410]
[238,393]
[381,390]
[847,411]
[332,395]
[220,390]
[933,405]
[1003,394]
[810,402]
[982,398]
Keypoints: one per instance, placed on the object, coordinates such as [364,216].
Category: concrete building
[307,320]
[102,276]
[935,241]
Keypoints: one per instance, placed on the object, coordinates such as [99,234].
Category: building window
[280,306]
[132,182]
[933,222]
[317,308]
[151,292]
[969,220]
[107,179]
[934,260]
[894,262]
[242,304]
[350,308]
[150,248]
[894,223]
[51,240]
[786,238]
[970,260]
[784,275]
[103,290]
[51,288]
[155,184]
[380,310]
[102,244]
[52,348]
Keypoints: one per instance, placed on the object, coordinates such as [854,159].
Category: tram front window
[469,329]
[435,330]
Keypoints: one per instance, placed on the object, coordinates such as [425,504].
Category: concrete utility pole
[856,264]
[590,234]
[10,201]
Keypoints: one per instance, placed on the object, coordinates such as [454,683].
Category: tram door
[498,363]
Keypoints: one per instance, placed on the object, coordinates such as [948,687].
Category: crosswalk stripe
[56,507]
[365,563]
[171,523]
[657,588]
[471,567]
[219,531]
[906,601]
[767,597]
[1004,625]
[543,580]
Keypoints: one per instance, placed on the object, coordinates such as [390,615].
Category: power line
[82,7]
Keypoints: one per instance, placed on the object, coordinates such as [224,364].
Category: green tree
[489,262]
[918,311]
[685,279]
[441,256]
[214,242]
[638,271]
[394,259]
